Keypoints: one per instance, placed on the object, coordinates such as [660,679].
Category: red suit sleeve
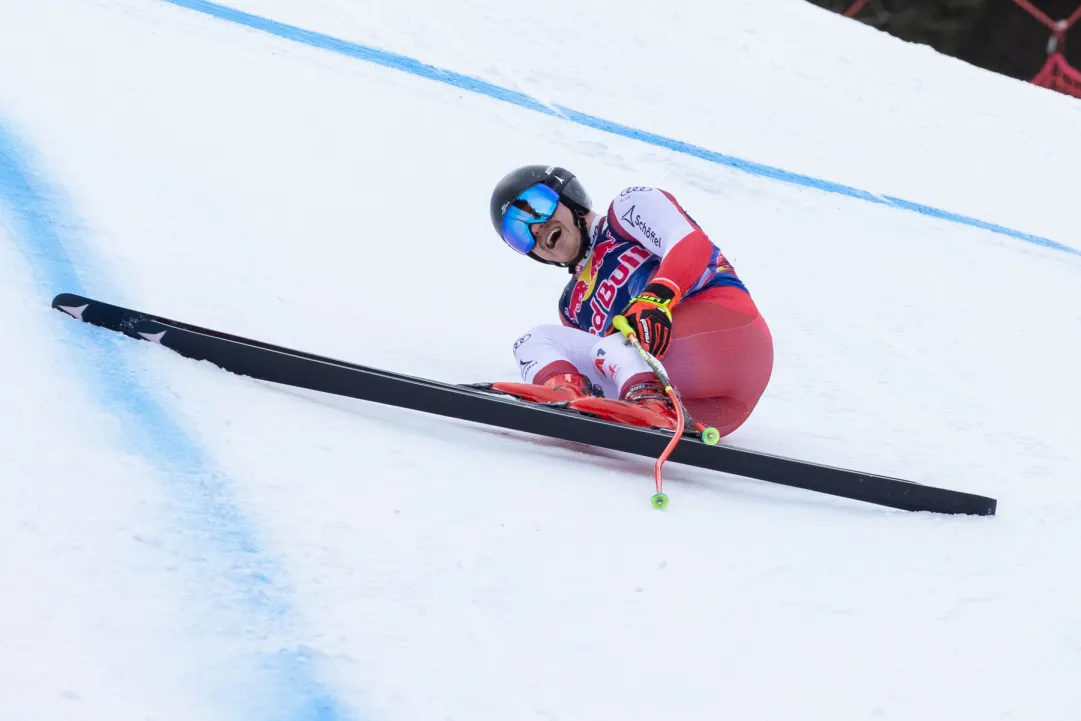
[685,263]
[654,218]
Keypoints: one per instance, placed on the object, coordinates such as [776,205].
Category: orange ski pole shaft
[709,435]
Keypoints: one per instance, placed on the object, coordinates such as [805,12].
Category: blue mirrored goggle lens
[535,205]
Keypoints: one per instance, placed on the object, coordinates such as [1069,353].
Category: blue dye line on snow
[285,685]
[482,87]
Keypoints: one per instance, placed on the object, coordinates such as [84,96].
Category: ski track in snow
[476,85]
[199,545]
[211,532]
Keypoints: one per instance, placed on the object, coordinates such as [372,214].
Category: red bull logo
[629,261]
[587,279]
[600,295]
[723,266]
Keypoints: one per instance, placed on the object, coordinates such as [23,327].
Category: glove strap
[654,301]
[664,288]
[660,293]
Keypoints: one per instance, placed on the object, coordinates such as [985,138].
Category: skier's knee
[527,339]
[547,338]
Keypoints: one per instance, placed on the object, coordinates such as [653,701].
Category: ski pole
[709,435]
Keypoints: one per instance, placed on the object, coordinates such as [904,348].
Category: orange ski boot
[559,388]
[644,404]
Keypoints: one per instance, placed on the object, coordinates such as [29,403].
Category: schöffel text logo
[634,220]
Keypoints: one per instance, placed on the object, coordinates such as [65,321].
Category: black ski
[305,370]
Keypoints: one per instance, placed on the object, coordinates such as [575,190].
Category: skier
[650,262]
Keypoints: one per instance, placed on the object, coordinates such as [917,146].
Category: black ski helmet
[571,194]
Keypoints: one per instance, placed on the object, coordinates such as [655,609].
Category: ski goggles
[535,204]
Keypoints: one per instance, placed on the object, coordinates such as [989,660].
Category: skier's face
[558,238]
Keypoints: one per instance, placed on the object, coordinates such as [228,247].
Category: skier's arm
[655,219]
[685,263]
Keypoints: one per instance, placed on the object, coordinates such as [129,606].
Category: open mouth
[553,237]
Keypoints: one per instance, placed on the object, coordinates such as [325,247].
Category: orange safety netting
[1057,73]
[855,8]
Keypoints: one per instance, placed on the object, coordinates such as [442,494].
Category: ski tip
[63,299]
[75,311]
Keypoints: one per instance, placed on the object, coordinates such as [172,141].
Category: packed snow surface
[180,543]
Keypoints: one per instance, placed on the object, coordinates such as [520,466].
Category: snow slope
[180,543]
